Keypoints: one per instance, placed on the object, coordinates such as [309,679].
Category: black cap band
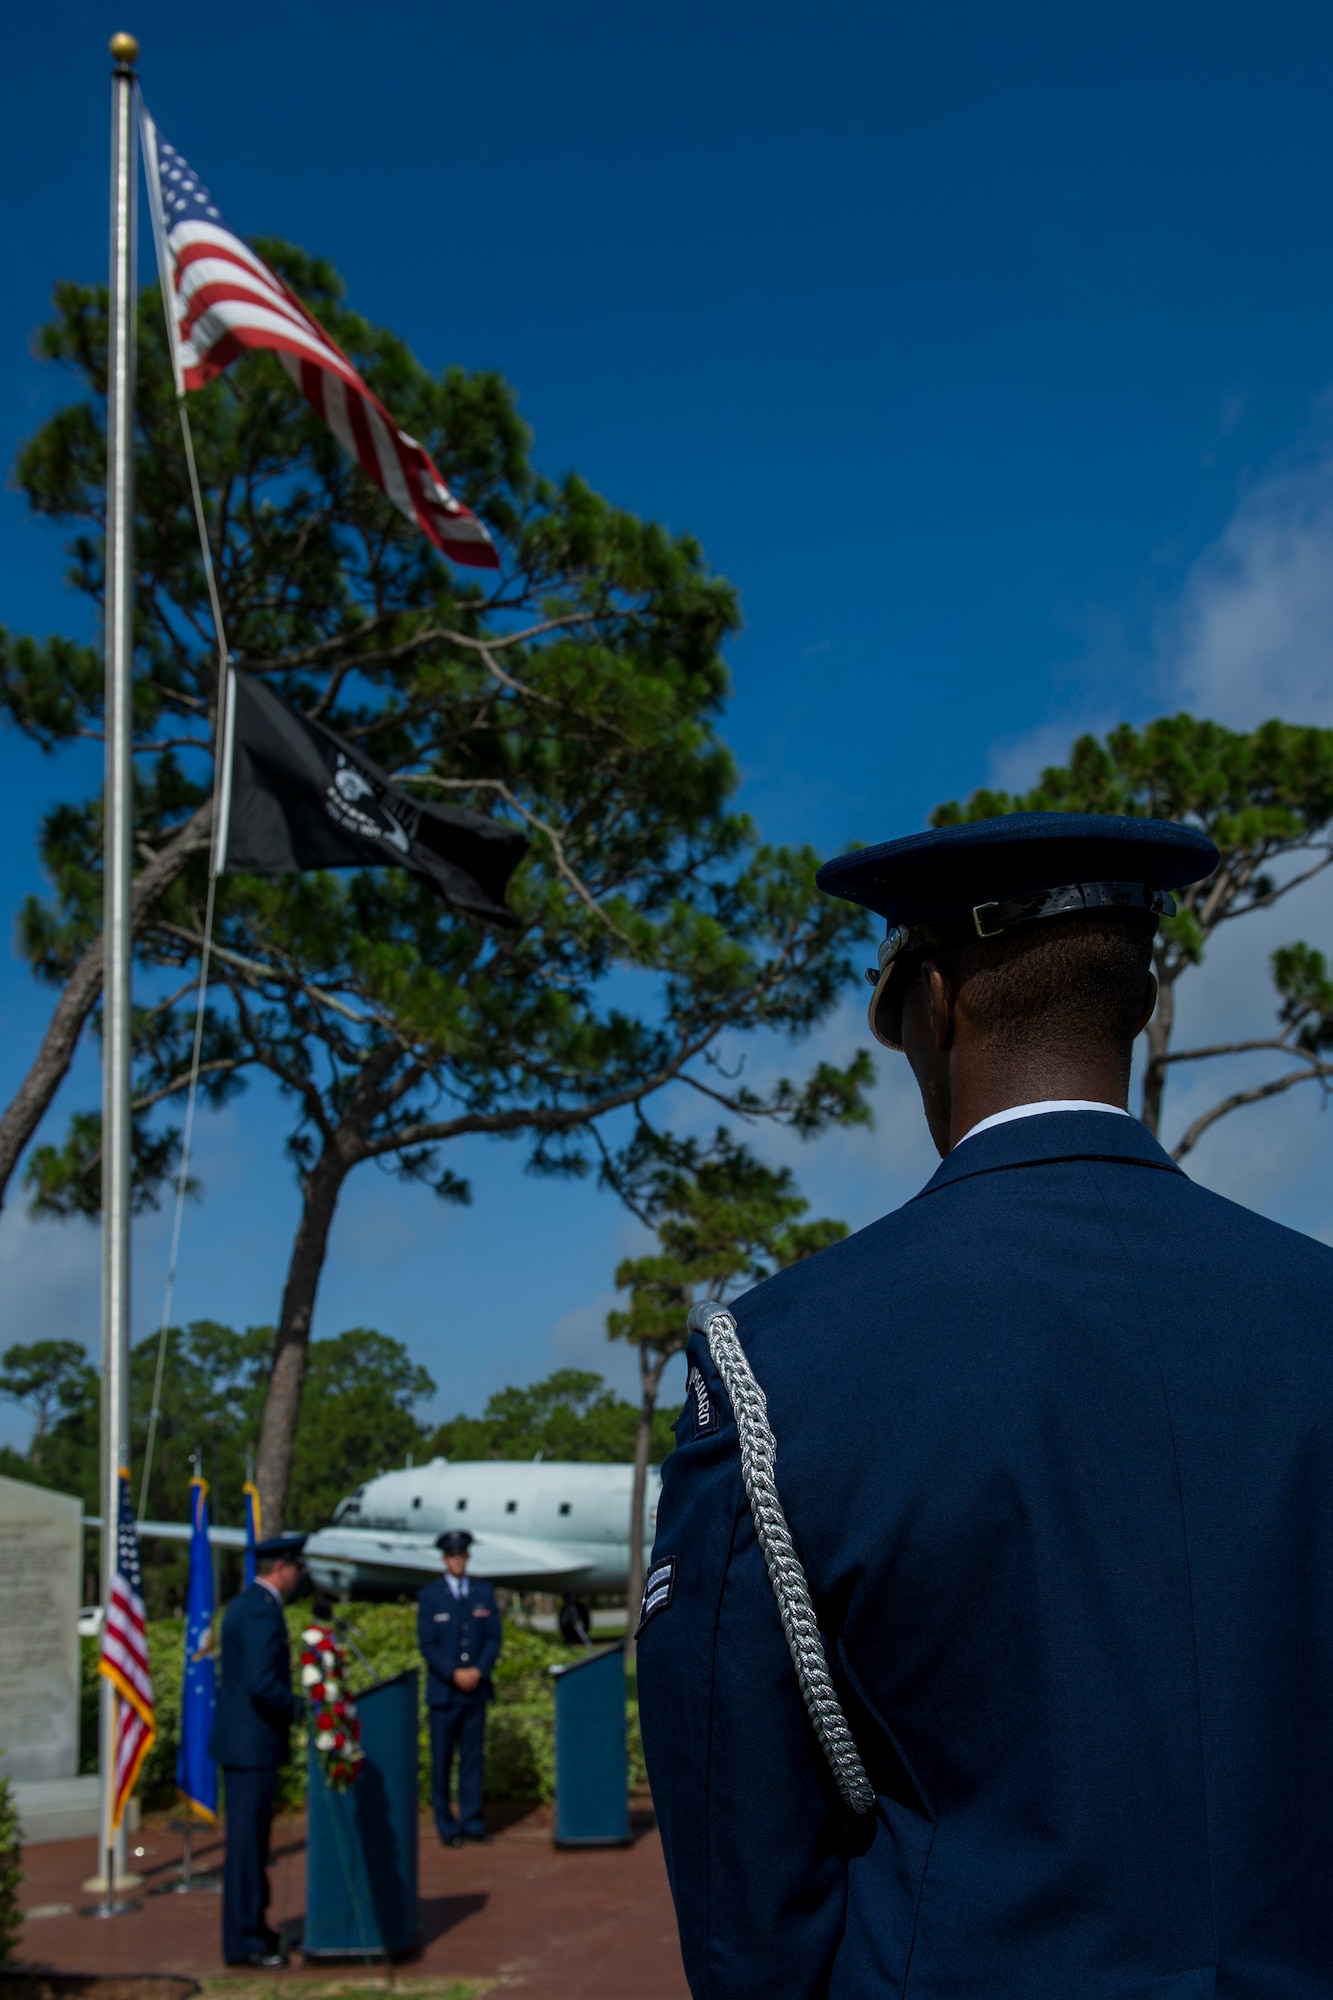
[985,920]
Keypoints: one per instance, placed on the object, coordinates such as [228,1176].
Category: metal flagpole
[117,863]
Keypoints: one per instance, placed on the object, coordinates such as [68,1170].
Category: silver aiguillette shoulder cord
[758,1449]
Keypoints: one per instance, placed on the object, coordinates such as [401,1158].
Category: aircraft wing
[179,1531]
[506,1558]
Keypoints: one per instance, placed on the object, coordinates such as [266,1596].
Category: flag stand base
[106,1884]
[96,1885]
[185,1879]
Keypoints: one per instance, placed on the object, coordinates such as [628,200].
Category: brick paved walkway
[591,1924]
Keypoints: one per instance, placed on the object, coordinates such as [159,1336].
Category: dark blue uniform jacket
[457,1633]
[256,1706]
[1056,1445]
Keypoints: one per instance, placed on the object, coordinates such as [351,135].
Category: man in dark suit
[1054,1446]
[251,1741]
[458,1631]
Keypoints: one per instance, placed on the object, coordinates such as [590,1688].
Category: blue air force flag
[196,1773]
[254,1528]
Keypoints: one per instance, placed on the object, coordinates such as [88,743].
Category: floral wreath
[336,1726]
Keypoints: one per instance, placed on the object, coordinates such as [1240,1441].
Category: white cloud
[578,1338]
[1016,762]
[50,1283]
[1252,633]
[1248,634]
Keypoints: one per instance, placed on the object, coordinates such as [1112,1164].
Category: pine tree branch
[1317,1071]
[257,975]
[430,635]
[563,866]
[82,989]
[1283,888]
[1276,1043]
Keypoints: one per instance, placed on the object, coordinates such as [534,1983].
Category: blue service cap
[281,1545]
[954,884]
[454,1542]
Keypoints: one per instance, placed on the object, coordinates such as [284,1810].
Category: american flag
[124,1659]
[221,299]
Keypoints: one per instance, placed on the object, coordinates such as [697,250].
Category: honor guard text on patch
[658,1591]
[705,1409]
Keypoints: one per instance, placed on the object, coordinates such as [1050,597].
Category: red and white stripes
[223,299]
[124,1659]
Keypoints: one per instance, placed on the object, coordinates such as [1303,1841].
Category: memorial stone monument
[41,1559]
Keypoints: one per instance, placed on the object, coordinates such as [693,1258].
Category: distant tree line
[572,1414]
[361,1418]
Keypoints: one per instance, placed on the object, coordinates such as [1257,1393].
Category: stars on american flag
[183,193]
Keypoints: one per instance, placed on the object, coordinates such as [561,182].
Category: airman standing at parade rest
[459,1633]
[1054,1451]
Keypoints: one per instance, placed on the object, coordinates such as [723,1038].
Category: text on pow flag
[222,298]
[124,1659]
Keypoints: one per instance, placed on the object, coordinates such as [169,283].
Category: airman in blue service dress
[252,1741]
[458,1626]
[1055,1447]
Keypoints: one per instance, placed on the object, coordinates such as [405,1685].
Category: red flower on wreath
[337,1729]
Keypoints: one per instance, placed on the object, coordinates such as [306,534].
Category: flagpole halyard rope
[182,1188]
[758,1449]
[216,856]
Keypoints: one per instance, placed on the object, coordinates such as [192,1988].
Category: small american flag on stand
[124,1659]
[221,299]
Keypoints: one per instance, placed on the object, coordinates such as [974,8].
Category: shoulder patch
[658,1591]
[705,1409]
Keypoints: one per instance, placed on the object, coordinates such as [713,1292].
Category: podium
[591,1765]
[361,1844]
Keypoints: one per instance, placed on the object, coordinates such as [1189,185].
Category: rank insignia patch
[658,1591]
[705,1409]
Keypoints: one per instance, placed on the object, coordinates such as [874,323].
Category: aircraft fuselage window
[461,1505]
[564,1506]
[417,1501]
[511,1506]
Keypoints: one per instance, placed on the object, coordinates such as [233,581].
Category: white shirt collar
[457,1584]
[1035,1110]
[272,1590]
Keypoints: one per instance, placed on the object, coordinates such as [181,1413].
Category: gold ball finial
[124,49]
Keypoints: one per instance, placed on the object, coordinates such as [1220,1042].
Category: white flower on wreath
[312,1635]
[324,1740]
[310,1676]
[332,1690]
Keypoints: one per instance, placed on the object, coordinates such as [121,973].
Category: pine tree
[577,695]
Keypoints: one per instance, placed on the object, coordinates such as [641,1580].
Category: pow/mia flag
[297,796]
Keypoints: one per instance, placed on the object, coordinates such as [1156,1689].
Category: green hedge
[520,1731]
[11,1873]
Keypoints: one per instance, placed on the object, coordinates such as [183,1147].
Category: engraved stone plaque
[41,1550]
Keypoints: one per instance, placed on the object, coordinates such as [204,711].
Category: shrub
[11,1873]
[520,1730]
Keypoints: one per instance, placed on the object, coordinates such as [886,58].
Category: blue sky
[988,350]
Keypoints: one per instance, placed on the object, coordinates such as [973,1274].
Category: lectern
[361,1844]
[591,1768]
